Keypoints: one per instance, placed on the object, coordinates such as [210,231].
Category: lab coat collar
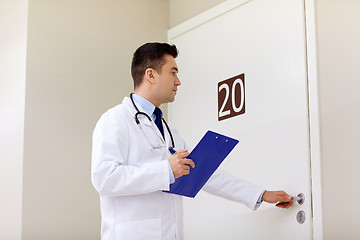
[146,105]
[143,119]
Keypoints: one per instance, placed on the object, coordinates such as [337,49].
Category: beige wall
[79,55]
[182,10]
[338,31]
[13,22]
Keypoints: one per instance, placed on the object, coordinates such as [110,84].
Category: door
[244,75]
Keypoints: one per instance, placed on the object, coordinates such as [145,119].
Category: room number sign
[231,97]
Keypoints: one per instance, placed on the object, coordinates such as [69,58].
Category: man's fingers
[285,205]
[185,170]
[182,153]
[189,162]
[284,198]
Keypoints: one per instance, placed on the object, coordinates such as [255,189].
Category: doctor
[131,162]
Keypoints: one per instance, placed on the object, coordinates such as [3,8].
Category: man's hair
[150,55]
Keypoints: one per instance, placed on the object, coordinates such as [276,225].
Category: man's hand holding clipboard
[209,153]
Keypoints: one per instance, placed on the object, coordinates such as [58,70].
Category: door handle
[300,198]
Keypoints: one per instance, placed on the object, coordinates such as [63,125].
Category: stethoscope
[148,117]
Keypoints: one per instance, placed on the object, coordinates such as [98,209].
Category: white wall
[13,22]
[79,56]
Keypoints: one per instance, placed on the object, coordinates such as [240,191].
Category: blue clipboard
[208,154]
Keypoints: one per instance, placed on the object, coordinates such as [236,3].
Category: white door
[264,40]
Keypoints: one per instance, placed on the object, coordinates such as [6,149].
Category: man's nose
[177,82]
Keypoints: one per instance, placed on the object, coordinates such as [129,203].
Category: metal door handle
[300,198]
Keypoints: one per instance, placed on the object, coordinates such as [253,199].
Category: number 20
[236,109]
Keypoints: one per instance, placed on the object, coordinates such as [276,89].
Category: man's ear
[149,75]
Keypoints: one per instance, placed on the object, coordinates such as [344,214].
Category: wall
[13,22]
[181,10]
[79,55]
[339,63]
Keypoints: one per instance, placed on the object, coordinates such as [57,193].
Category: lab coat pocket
[149,229]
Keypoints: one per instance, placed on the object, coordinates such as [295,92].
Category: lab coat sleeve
[223,184]
[110,174]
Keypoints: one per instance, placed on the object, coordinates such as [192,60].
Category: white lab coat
[130,170]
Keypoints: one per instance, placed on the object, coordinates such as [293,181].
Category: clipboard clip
[217,137]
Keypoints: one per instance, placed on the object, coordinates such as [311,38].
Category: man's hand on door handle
[282,199]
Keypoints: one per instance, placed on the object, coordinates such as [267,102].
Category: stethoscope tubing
[138,112]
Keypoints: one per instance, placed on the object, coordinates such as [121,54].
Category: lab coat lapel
[155,128]
[144,121]
[167,136]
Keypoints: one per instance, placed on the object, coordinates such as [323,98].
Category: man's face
[167,81]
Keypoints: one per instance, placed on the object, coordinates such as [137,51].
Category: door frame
[312,97]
